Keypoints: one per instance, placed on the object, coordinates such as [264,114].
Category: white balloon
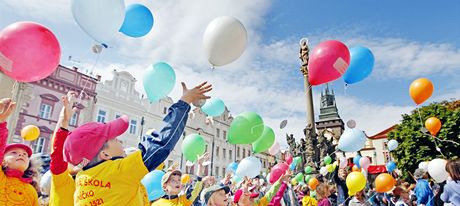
[343,162]
[423,166]
[437,170]
[249,167]
[351,124]
[224,40]
[352,140]
[392,145]
[100,19]
[274,149]
[45,183]
[323,171]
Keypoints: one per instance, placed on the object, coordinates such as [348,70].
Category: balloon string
[13,94]
[345,89]
[438,149]
[297,104]
[80,96]
[420,117]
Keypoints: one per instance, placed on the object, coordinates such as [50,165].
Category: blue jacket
[155,148]
[423,192]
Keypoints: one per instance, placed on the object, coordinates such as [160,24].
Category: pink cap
[86,140]
[19,145]
[239,193]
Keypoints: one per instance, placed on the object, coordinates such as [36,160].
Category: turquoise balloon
[193,146]
[214,107]
[246,128]
[361,65]
[152,183]
[159,80]
[265,141]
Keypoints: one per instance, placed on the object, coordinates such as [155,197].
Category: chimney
[75,68]
[98,77]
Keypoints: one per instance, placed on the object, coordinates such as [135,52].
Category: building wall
[31,97]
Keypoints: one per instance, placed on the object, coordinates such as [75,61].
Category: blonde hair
[322,191]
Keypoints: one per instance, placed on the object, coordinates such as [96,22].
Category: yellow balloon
[185,179]
[294,182]
[161,166]
[30,132]
[355,182]
[149,132]
[330,168]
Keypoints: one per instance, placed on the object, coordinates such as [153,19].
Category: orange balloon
[420,90]
[433,125]
[355,169]
[313,183]
[384,182]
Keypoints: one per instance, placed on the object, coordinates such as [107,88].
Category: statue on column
[292,144]
[310,152]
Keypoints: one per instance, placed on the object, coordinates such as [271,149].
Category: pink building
[41,104]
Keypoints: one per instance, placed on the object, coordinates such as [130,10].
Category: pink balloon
[288,159]
[274,149]
[364,162]
[328,61]
[277,171]
[28,51]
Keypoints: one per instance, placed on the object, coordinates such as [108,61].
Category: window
[249,152]
[244,152]
[225,135]
[74,119]
[101,116]
[230,154]
[217,132]
[132,126]
[238,152]
[217,172]
[165,110]
[224,152]
[170,163]
[117,116]
[223,172]
[39,145]
[217,151]
[45,111]
[206,147]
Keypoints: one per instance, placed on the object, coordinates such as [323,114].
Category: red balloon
[277,171]
[28,51]
[288,159]
[328,61]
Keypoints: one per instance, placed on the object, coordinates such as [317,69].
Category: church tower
[328,116]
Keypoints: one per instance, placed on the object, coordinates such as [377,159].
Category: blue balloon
[213,107]
[159,81]
[138,21]
[361,65]
[391,166]
[232,167]
[152,183]
[356,160]
[292,166]
[352,140]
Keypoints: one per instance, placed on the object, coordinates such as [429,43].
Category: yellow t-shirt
[179,201]
[309,201]
[14,192]
[62,189]
[113,182]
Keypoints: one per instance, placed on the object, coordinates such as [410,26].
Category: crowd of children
[89,167]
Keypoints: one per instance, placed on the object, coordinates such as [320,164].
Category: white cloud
[51,10]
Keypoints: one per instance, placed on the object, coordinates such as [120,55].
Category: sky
[409,39]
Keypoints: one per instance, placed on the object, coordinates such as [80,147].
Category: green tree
[416,146]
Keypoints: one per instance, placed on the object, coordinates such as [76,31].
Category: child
[62,183]
[322,194]
[307,200]
[171,183]
[16,174]
[111,177]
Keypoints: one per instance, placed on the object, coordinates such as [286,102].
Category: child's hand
[6,108]
[67,110]
[197,93]
[203,158]
[286,176]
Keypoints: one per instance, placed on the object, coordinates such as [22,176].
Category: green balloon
[327,160]
[299,177]
[193,146]
[246,128]
[307,178]
[265,141]
[308,169]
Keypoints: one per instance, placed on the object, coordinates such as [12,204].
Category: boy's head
[17,157]
[95,141]
[171,182]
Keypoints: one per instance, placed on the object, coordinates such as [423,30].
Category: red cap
[86,140]
[19,145]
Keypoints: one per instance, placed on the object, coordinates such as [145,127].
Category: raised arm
[6,108]
[155,149]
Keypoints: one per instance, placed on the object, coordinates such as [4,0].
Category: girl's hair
[453,168]
[322,191]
